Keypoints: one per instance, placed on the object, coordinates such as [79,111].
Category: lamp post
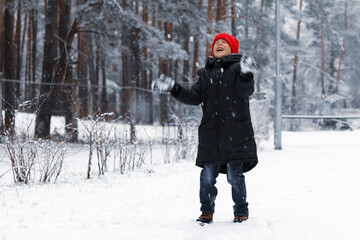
[278,84]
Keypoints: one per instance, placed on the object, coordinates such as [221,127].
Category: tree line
[81,58]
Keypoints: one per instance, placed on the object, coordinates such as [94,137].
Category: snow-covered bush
[30,158]
[22,154]
[99,134]
[112,137]
[50,159]
[128,156]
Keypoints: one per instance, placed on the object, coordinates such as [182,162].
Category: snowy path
[308,190]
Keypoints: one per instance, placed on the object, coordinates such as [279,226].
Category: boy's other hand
[162,84]
[247,64]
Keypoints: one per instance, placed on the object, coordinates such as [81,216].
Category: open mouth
[220,49]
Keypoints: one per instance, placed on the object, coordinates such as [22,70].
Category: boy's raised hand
[247,64]
[162,84]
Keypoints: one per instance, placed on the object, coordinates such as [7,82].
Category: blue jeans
[208,191]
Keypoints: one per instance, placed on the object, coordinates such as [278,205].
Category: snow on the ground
[308,190]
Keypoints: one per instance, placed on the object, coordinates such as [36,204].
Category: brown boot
[239,219]
[205,218]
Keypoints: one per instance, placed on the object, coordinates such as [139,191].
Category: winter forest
[88,150]
[79,59]
[94,61]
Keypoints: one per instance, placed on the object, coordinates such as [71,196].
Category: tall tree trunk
[160,27]
[219,14]
[131,72]
[145,19]
[137,49]
[100,68]
[94,89]
[342,50]
[186,68]
[258,30]
[29,94]
[166,69]
[322,77]
[136,74]
[43,116]
[150,99]
[64,70]
[31,57]
[146,110]
[81,71]
[259,77]
[233,17]
[163,99]
[9,70]
[293,92]
[332,69]
[18,53]
[126,76]
[209,29]
[221,10]
[104,99]
[195,65]
[153,24]
[34,26]
[247,19]
[22,47]
[23,37]
[82,76]
[137,7]
[196,48]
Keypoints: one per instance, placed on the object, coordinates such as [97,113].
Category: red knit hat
[231,40]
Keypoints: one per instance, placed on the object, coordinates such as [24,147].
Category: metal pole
[278,83]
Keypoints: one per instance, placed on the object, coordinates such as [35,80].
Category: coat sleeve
[245,84]
[190,96]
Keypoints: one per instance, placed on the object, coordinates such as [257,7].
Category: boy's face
[221,48]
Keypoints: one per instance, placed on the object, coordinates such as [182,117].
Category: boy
[226,136]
